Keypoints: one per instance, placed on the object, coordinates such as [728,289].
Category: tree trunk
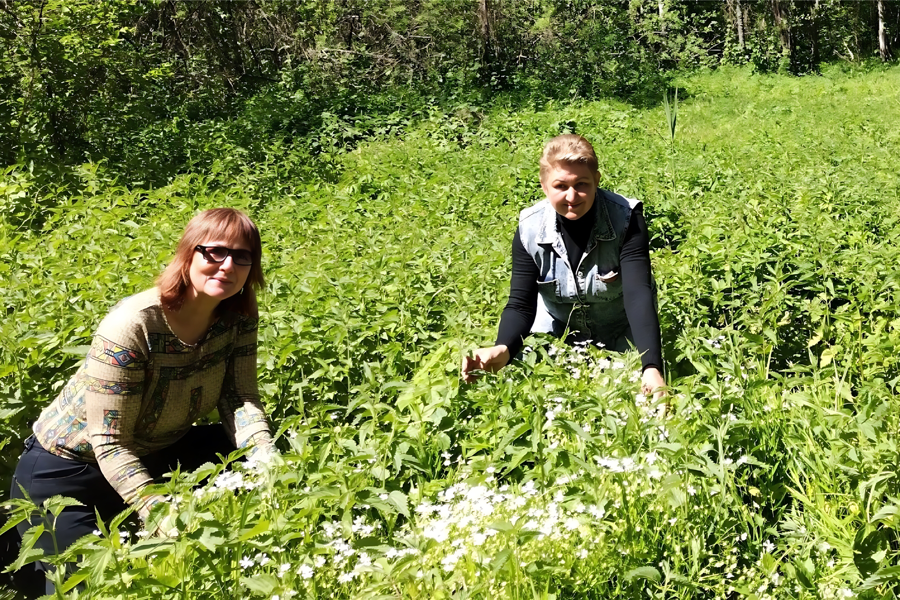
[884,49]
[487,26]
[662,15]
[486,21]
[784,29]
[739,22]
[814,35]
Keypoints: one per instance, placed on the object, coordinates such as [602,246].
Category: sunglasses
[217,254]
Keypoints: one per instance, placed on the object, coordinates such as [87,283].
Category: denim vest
[583,297]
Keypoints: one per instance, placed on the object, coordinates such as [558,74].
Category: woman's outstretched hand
[652,382]
[484,359]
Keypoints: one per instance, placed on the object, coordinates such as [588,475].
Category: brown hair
[217,223]
[568,148]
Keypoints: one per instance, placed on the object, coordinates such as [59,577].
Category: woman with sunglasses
[160,360]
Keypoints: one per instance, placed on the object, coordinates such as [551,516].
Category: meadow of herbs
[773,473]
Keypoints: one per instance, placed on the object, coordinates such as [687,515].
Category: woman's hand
[161,521]
[651,383]
[485,359]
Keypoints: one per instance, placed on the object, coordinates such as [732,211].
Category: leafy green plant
[386,250]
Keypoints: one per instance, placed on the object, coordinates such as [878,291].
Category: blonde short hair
[568,148]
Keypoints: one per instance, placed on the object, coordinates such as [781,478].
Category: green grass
[775,235]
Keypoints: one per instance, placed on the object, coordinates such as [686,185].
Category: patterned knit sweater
[140,389]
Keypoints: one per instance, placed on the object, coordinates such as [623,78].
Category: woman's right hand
[484,359]
[161,520]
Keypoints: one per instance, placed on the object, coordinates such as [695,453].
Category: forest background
[385,147]
[154,88]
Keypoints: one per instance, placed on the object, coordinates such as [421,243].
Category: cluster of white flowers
[123,535]
[464,520]
[581,363]
[617,465]
[231,481]
[557,407]
[651,464]
[347,560]
[261,559]
[688,408]
[649,409]
[247,475]
[259,460]
[716,342]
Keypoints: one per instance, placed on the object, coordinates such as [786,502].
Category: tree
[782,23]
[884,48]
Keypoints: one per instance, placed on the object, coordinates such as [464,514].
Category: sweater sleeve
[521,308]
[637,289]
[114,379]
[240,408]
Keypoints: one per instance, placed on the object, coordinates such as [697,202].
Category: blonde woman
[580,266]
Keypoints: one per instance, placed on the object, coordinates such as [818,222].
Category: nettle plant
[771,475]
[556,475]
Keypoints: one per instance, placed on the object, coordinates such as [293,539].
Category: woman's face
[218,280]
[570,188]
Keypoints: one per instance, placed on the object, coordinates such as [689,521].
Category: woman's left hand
[652,382]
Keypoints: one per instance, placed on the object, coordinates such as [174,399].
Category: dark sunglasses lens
[242,257]
[217,253]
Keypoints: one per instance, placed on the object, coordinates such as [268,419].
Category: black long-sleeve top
[634,258]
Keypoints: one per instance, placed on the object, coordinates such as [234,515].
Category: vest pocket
[549,289]
[608,278]
[607,286]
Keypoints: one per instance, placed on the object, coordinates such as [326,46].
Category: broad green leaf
[649,573]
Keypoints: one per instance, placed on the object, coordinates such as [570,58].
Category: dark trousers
[44,475]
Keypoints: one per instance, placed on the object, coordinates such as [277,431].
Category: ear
[596,178]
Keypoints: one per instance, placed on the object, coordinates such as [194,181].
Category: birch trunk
[884,49]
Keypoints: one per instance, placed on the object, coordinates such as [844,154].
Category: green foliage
[386,249]
[157,88]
